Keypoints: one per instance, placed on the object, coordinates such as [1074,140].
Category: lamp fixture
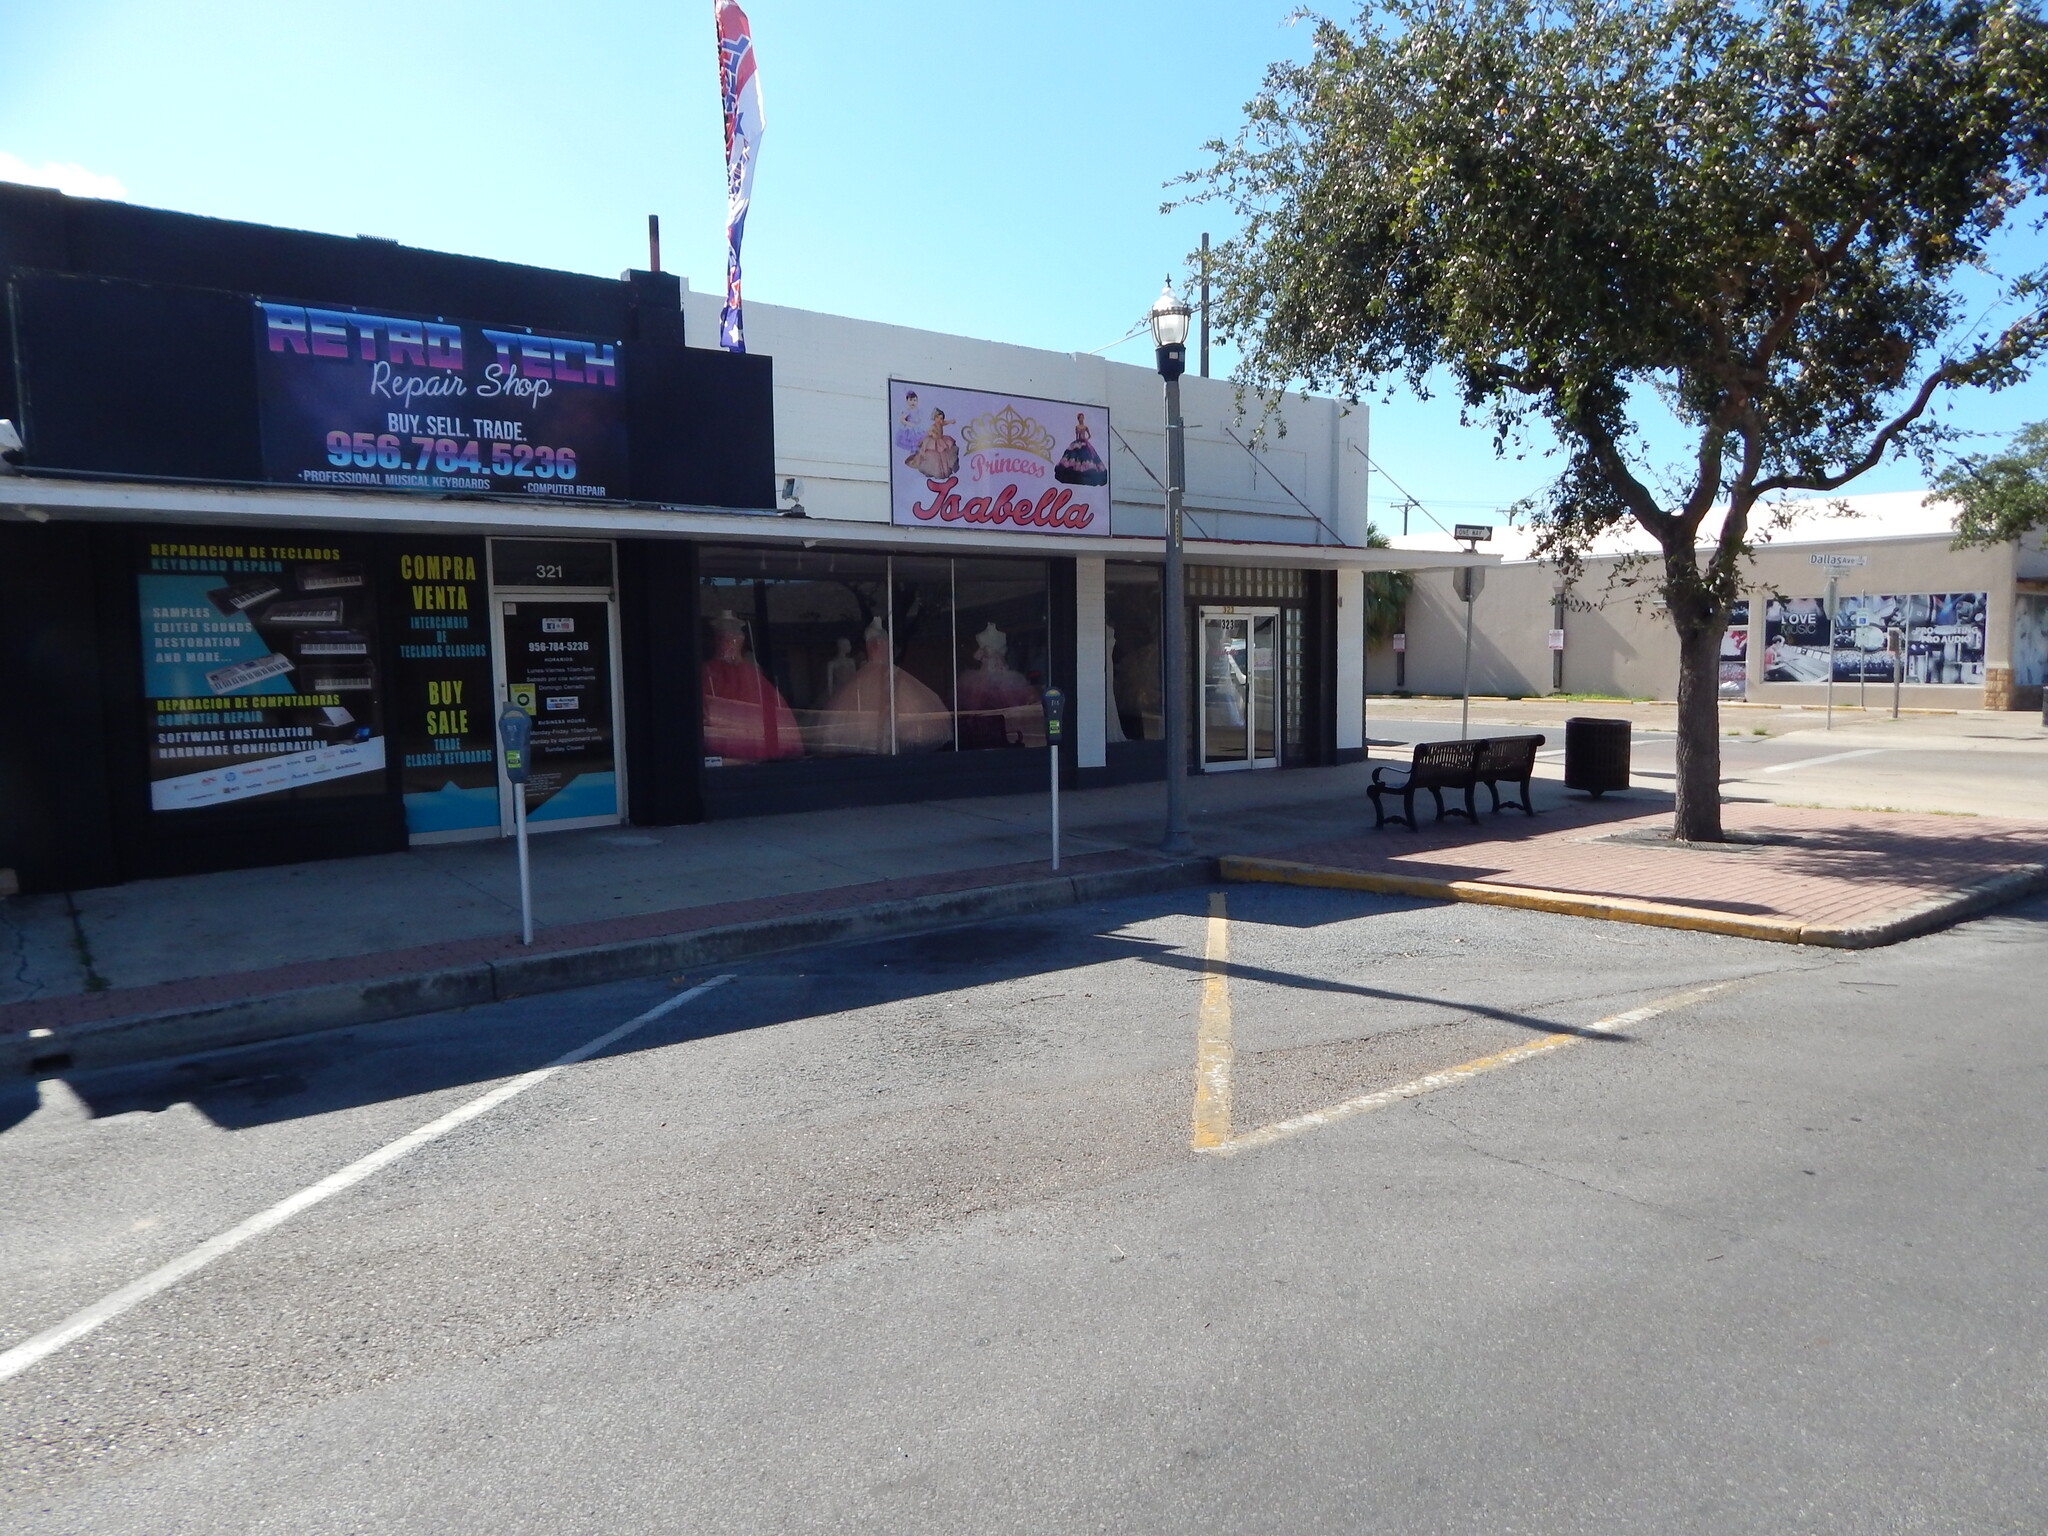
[1169,317]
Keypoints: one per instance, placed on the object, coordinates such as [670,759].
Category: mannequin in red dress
[745,717]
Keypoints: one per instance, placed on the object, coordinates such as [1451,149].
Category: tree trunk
[1699,736]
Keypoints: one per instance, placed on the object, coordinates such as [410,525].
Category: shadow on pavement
[344,1069]
[1180,961]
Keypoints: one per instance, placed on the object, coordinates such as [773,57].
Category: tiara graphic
[1008,431]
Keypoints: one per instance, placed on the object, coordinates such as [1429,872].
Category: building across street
[1951,628]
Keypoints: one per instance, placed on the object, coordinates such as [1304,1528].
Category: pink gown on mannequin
[746,719]
[855,719]
[998,705]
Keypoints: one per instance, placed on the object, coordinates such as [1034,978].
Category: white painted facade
[1302,487]
[1294,494]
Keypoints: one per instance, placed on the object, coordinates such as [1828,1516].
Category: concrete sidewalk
[167,966]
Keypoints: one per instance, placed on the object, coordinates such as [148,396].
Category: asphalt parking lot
[911,1236]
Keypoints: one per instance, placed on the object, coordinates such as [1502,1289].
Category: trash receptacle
[1596,755]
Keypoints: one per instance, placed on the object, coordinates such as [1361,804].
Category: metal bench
[1436,767]
[1507,760]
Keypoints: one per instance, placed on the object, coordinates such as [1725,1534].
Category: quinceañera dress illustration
[908,433]
[938,456]
[855,719]
[1081,464]
[745,717]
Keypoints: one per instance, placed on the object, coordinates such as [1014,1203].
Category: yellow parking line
[1266,1135]
[1214,1055]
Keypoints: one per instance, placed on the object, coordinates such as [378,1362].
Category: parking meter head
[515,737]
[1054,702]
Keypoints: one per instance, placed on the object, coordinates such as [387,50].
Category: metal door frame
[500,682]
[1204,614]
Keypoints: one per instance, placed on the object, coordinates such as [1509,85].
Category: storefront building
[293,515]
[1943,628]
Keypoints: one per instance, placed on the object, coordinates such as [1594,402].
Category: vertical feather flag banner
[740,92]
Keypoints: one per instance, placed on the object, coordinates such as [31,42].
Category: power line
[1412,500]
[1247,447]
[1152,477]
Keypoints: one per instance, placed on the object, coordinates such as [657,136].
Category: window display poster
[352,398]
[444,712]
[558,654]
[1863,625]
[2030,640]
[1944,638]
[1945,643]
[259,671]
[1795,640]
[1734,652]
[963,458]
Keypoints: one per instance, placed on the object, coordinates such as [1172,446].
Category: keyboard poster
[259,669]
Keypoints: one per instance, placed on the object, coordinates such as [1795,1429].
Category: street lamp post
[1169,317]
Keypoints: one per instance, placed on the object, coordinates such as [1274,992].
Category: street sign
[1473,533]
[1469,581]
[1557,639]
[1400,643]
[1839,562]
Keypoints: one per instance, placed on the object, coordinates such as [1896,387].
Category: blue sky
[990,169]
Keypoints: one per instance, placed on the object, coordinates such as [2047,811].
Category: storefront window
[260,670]
[1000,639]
[921,602]
[1131,608]
[814,655]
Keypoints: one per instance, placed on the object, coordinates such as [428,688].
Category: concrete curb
[247,1020]
[1903,923]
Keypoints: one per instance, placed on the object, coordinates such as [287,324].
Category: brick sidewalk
[1835,869]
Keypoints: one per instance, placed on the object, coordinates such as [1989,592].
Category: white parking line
[27,1353]
[1815,762]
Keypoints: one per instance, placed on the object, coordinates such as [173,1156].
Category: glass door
[1240,679]
[557,659]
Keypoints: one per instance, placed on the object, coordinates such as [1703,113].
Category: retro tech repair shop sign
[352,398]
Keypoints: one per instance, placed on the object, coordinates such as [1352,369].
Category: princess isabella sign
[965,458]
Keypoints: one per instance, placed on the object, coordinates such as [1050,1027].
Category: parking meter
[515,736]
[1054,703]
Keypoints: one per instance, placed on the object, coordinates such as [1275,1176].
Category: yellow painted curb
[1614,909]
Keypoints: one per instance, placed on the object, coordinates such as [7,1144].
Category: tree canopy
[2001,496]
[1748,217]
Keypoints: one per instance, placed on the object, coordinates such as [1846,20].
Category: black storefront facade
[249,620]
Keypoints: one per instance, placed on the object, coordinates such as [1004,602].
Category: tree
[1386,594]
[1742,223]
[2001,497]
